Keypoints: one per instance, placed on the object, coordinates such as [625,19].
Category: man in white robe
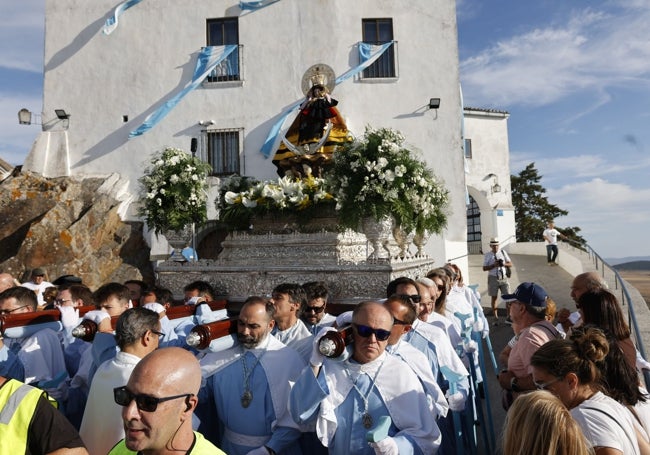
[137,333]
[243,403]
[288,298]
[352,398]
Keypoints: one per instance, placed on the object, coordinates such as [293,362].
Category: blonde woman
[539,424]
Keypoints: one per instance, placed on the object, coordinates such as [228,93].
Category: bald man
[586,282]
[347,399]
[157,406]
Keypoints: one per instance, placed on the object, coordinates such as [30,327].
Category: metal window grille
[221,32]
[224,151]
[380,31]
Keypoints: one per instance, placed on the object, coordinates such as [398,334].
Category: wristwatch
[513,385]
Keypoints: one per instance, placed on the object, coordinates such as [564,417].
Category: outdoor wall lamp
[434,103]
[61,114]
[496,188]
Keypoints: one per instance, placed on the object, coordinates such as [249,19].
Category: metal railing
[626,300]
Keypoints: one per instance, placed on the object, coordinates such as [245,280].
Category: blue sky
[574,76]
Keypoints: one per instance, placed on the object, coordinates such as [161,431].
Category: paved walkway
[555,280]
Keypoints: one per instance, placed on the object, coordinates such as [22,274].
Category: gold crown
[318,79]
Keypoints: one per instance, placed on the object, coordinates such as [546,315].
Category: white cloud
[592,50]
[22,34]
[578,166]
[608,214]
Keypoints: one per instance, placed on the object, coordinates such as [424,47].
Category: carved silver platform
[253,264]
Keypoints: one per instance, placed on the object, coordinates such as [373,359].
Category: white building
[490,212]
[104,86]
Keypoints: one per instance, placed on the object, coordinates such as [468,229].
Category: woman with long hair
[539,424]
[568,369]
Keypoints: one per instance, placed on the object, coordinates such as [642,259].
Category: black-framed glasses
[160,334]
[544,385]
[147,403]
[415,298]
[315,309]
[365,332]
[13,310]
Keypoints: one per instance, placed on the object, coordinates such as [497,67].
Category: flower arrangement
[242,197]
[377,176]
[174,190]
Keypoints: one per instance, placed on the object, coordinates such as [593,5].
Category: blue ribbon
[111,22]
[368,53]
[207,60]
[255,4]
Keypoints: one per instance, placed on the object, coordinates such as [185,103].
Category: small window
[380,31]
[221,32]
[468,148]
[224,150]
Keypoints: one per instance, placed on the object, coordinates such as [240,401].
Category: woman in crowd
[539,424]
[568,369]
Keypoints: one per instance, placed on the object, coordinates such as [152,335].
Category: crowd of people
[113,372]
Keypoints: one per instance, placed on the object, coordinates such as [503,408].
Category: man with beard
[243,404]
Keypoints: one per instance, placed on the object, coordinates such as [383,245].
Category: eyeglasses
[147,403]
[315,309]
[544,385]
[160,334]
[415,298]
[62,301]
[11,311]
[365,332]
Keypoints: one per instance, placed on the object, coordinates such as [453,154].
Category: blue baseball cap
[529,294]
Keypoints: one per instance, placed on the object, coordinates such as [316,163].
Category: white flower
[174,178]
[389,175]
[248,202]
[231,197]
[159,201]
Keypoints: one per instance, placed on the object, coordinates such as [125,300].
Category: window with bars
[380,31]
[223,149]
[219,33]
[468,148]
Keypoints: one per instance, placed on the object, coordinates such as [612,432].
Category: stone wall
[69,226]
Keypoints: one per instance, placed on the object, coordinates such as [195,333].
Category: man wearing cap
[527,308]
[495,262]
[38,284]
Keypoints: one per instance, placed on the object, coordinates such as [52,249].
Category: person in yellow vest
[157,406]
[29,424]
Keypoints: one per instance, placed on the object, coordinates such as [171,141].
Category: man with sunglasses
[349,400]
[157,406]
[41,353]
[137,333]
[313,313]
[243,403]
[527,308]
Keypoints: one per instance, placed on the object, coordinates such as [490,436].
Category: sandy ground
[640,279]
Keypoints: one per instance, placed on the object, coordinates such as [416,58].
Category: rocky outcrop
[70,226]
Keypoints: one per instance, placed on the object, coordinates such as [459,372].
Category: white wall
[98,79]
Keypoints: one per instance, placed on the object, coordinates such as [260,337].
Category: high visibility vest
[18,404]
[201,447]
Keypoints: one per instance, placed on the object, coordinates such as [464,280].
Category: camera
[500,262]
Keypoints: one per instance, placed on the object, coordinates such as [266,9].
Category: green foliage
[533,210]
[377,176]
[174,191]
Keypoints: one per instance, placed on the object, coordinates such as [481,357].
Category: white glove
[386,446]
[154,306]
[470,346]
[456,401]
[344,319]
[316,358]
[69,316]
[97,316]
[259,451]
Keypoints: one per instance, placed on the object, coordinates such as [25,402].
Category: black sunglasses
[415,298]
[315,309]
[147,403]
[365,331]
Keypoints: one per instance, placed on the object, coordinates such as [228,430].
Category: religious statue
[318,130]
